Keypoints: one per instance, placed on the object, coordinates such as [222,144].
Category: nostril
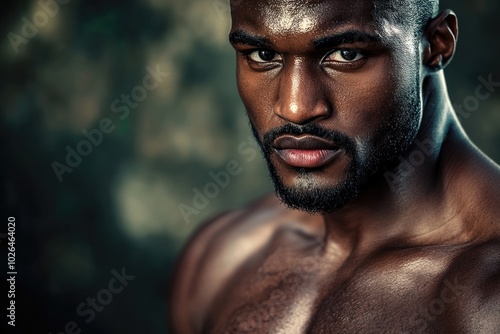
[304,113]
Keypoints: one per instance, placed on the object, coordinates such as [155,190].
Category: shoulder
[213,254]
[473,284]
[478,191]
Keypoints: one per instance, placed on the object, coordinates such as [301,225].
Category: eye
[264,56]
[344,56]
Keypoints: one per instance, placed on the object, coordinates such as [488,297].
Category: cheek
[361,99]
[258,94]
[366,100]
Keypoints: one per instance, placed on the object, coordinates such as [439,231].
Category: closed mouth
[306,151]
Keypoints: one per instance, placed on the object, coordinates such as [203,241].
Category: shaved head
[414,13]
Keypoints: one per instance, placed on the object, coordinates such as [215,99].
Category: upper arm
[476,278]
[187,298]
[213,257]
[184,314]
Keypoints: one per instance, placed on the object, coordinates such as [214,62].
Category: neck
[408,205]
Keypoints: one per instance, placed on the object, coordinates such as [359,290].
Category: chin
[312,195]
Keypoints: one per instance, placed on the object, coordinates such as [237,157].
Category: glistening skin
[338,93]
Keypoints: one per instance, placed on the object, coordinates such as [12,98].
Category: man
[387,218]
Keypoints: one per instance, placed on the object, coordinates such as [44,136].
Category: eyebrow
[243,38]
[347,37]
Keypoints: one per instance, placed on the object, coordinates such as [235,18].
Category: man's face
[332,90]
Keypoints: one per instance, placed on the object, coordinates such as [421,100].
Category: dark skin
[418,255]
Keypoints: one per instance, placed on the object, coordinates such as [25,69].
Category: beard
[367,159]
[308,195]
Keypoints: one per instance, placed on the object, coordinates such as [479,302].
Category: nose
[301,97]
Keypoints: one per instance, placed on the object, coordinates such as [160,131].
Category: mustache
[341,140]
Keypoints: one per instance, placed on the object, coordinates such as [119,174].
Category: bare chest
[302,296]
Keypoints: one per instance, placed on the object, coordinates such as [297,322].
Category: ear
[440,40]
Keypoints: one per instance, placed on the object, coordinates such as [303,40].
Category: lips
[303,143]
[306,151]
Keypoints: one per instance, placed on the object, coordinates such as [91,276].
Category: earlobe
[441,39]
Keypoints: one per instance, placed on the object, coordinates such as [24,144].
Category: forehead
[292,18]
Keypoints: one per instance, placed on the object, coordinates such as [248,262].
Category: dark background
[120,206]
